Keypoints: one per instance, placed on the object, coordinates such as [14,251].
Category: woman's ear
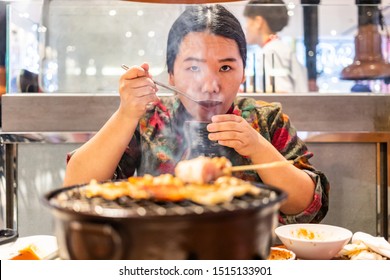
[243,78]
[171,79]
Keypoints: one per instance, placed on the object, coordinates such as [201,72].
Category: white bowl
[313,241]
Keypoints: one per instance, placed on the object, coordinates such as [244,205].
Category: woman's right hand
[136,90]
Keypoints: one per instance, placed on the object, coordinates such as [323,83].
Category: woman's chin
[203,118]
[205,114]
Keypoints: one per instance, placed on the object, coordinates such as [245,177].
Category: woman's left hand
[234,132]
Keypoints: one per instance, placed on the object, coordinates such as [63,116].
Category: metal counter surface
[9,143]
[88,112]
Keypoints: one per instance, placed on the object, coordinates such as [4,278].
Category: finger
[230,143]
[145,88]
[136,72]
[148,101]
[225,122]
[225,136]
[142,94]
[139,82]
[137,88]
[145,66]
[225,126]
[225,118]
[151,98]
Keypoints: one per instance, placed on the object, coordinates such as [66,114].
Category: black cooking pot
[88,229]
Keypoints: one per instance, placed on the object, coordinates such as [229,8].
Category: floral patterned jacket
[159,144]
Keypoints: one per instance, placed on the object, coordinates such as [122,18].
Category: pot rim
[124,213]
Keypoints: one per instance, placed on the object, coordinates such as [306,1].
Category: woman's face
[207,67]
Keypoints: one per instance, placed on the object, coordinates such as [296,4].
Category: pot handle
[93,241]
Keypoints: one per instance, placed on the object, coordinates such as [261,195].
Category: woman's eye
[225,68]
[194,68]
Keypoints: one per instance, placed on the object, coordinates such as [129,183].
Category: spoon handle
[172,88]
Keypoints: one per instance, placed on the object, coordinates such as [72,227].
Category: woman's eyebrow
[194,59]
[229,59]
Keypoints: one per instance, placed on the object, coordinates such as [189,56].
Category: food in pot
[224,189]
[165,217]
[166,187]
[163,187]
[202,169]
[128,228]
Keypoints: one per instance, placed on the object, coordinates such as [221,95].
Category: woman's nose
[210,83]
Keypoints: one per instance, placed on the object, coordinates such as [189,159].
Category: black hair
[273,11]
[215,19]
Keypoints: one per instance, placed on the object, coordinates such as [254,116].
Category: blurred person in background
[264,20]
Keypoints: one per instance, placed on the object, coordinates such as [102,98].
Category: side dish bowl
[313,241]
[280,254]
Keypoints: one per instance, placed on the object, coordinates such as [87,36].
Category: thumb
[145,66]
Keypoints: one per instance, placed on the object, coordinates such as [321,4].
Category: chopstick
[258,166]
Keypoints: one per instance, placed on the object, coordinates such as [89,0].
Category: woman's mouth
[209,103]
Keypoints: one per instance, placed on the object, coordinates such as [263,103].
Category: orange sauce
[276,254]
[306,234]
[26,254]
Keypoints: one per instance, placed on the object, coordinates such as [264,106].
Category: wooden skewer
[52,256]
[257,166]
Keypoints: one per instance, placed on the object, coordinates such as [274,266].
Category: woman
[264,20]
[206,55]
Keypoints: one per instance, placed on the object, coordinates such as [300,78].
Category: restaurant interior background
[69,54]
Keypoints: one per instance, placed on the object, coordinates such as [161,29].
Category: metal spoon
[204,103]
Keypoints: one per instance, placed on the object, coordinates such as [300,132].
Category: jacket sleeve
[129,161]
[284,138]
